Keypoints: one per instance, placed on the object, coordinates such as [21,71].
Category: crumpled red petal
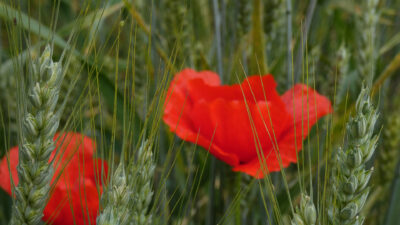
[178,102]
[306,107]
[253,89]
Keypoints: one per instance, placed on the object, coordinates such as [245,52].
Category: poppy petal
[184,128]
[213,120]
[237,121]
[239,126]
[270,164]
[261,88]
[204,121]
[252,90]
[5,182]
[306,106]
[178,100]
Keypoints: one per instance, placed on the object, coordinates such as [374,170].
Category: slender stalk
[392,216]
[289,42]
[299,57]
[211,191]
[243,25]
[217,26]
[243,17]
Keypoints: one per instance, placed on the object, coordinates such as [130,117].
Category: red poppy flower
[243,125]
[76,185]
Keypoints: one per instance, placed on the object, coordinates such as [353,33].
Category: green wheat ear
[350,177]
[385,163]
[40,122]
[388,156]
[366,26]
[129,193]
[244,18]
[306,214]
[177,22]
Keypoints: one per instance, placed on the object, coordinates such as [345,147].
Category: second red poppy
[246,125]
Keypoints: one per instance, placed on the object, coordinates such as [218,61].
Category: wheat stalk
[243,17]
[177,23]
[40,123]
[388,155]
[117,198]
[306,214]
[366,27]
[129,195]
[274,25]
[350,177]
[342,62]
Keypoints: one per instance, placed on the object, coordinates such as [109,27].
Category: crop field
[186,112]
